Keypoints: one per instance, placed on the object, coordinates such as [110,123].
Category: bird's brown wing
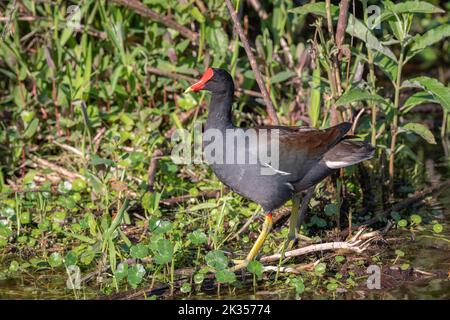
[312,141]
[300,148]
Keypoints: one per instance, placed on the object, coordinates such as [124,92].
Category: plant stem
[372,82]
[394,127]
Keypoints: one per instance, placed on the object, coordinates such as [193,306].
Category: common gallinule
[306,155]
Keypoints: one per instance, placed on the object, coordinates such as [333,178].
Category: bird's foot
[239,265]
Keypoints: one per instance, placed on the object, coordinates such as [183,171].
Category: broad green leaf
[357,94]
[440,92]
[225,276]
[408,7]
[87,256]
[282,76]
[317,8]
[387,65]
[437,228]
[255,267]
[164,252]
[55,260]
[359,30]
[416,99]
[121,271]
[135,275]
[331,209]
[216,260]
[159,226]
[420,130]
[198,237]
[139,251]
[427,39]
[32,128]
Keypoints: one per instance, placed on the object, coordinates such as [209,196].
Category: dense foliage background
[91,92]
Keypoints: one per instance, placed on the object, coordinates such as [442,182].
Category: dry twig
[269,106]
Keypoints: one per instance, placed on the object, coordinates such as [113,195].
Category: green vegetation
[89,99]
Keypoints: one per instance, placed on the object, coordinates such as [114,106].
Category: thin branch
[342,24]
[259,9]
[314,248]
[269,106]
[142,10]
[152,169]
[62,171]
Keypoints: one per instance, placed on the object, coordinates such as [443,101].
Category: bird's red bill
[200,84]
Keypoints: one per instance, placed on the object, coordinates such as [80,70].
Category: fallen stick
[314,248]
[62,171]
[142,10]
[269,106]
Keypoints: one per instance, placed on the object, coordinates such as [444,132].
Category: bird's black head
[214,80]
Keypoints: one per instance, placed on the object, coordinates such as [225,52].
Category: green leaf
[440,92]
[416,219]
[402,223]
[314,101]
[420,130]
[186,288]
[216,260]
[197,15]
[437,228]
[5,231]
[282,76]
[331,209]
[70,258]
[55,260]
[317,8]
[121,271]
[409,7]
[255,267]
[359,30]
[87,256]
[416,99]
[225,276]
[164,252]
[357,94]
[135,275]
[298,284]
[139,251]
[32,128]
[387,65]
[320,268]
[198,237]
[427,39]
[159,226]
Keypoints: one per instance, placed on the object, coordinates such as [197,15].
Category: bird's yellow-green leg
[258,244]
[292,235]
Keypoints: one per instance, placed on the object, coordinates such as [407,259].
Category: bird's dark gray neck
[219,113]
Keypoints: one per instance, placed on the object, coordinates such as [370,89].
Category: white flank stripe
[277,171]
[337,164]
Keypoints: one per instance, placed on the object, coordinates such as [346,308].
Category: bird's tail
[347,153]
